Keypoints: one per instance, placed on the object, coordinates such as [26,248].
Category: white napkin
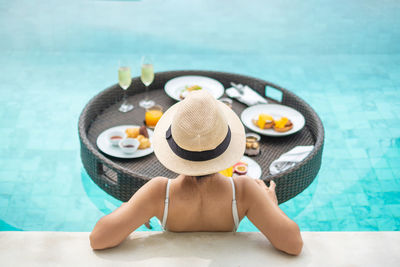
[249,96]
[290,158]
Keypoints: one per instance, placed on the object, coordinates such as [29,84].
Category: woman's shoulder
[246,186]
[243,180]
[158,181]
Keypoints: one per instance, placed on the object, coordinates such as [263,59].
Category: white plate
[105,146]
[276,111]
[174,87]
[254,170]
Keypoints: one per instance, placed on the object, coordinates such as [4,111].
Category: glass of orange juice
[153,115]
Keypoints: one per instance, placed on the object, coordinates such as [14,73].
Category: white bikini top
[234,207]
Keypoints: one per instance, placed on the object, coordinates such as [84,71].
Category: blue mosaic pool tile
[387,224]
[358,153]
[34,219]
[396,173]
[365,224]
[6,187]
[390,186]
[391,198]
[349,174]
[348,223]
[394,162]
[342,211]
[384,174]
[379,162]
[395,210]
[359,199]
[375,198]
[361,211]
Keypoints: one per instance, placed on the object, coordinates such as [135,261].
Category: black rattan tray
[121,178]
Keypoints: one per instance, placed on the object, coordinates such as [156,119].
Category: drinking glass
[147,78]
[124,80]
[153,115]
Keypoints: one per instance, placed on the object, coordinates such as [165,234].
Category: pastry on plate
[144,142]
[143,131]
[283,125]
[132,132]
[264,121]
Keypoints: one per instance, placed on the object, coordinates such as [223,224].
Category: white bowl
[129,145]
[115,141]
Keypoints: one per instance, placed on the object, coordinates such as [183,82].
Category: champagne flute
[147,78]
[124,80]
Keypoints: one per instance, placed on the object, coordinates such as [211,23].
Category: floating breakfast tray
[121,178]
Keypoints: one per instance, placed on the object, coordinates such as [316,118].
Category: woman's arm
[113,228]
[265,214]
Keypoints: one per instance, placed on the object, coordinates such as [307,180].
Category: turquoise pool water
[343,58]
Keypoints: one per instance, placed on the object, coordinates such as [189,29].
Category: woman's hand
[269,190]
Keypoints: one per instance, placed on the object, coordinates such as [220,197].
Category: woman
[198,137]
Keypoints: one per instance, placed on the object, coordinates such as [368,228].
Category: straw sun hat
[199,135]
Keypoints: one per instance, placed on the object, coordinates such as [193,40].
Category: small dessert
[187,90]
[132,132]
[144,142]
[252,144]
[143,131]
[264,121]
[283,125]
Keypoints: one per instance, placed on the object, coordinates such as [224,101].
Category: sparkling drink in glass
[147,77]
[125,80]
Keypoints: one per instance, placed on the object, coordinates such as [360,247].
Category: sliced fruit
[240,169]
[281,123]
[227,172]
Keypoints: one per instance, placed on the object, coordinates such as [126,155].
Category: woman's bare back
[202,205]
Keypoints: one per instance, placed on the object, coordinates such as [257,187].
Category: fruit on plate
[264,121]
[189,89]
[227,172]
[240,168]
[283,125]
[193,88]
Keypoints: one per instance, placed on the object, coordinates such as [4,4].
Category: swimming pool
[342,58]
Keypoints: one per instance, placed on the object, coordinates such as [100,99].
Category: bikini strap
[234,206]
[164,221]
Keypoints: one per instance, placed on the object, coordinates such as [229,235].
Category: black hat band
[198,155]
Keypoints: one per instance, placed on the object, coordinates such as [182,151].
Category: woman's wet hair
[198,178]
[201,177]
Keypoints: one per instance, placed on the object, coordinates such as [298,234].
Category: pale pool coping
[199,249]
